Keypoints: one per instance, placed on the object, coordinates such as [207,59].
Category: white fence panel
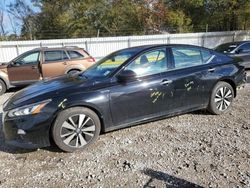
[99,47]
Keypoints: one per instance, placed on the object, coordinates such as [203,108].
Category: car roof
[145,47]
[58,48]
[235,43]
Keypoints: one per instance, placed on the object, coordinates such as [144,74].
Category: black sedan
[128,87]
[240,49]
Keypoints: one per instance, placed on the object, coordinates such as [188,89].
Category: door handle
[166,82]
[65,63]
[34,67]
[211,69]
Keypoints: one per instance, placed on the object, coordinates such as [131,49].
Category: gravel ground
[191,150]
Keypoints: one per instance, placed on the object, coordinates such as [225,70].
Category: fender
[4,76]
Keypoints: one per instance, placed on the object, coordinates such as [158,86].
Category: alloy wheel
[78,130]
[223,98]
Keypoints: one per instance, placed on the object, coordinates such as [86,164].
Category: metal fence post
[168,40]
[129,42]
[86,46]
[234,36]
[203,40]
[17,50]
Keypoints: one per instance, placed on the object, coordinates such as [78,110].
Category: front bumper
[29,132]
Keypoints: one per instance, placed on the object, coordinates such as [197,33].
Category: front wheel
[75,129]
[221,98]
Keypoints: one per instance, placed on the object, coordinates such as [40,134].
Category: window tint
[31,58]
[75,55]
[207,56]
[190,56]
[152,62]
[55,55]
[245,47]
[109,64]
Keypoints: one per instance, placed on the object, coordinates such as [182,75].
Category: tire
[74,71]
[221,98]
[2,87]
[75,129]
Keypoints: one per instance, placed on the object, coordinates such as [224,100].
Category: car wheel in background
[221,98]
[2,87]
[71,72]
[75,129]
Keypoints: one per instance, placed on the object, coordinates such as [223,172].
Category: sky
[4,6]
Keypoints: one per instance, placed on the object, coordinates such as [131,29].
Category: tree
[3,32]
[21,11]
[89,18]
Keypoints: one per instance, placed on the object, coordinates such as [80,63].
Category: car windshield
[106,66]
[226,48]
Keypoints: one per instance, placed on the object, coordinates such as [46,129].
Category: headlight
[29,109]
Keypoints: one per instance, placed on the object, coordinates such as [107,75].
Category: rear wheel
[221,98]
[75,129]
[2,87]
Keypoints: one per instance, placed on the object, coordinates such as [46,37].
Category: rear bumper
[246,65]
[241,84]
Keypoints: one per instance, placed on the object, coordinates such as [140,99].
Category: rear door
[25,69]
[54,63]
[188,77]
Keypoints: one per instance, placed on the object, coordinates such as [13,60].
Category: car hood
[46,89]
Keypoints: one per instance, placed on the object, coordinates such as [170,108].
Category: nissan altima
[128,87]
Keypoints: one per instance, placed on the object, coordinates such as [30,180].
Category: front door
[143,97]
[25,69]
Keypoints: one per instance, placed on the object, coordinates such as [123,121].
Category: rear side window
[57,55]
[190,56]
[75,55]
[207,56]
[186,57]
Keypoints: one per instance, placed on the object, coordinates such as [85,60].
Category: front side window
[149,63]
[190,56]
[31,58]
[75,55]
[109,64]
[57,55]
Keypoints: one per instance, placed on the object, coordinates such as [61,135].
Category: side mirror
[15,64]
[126,75]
